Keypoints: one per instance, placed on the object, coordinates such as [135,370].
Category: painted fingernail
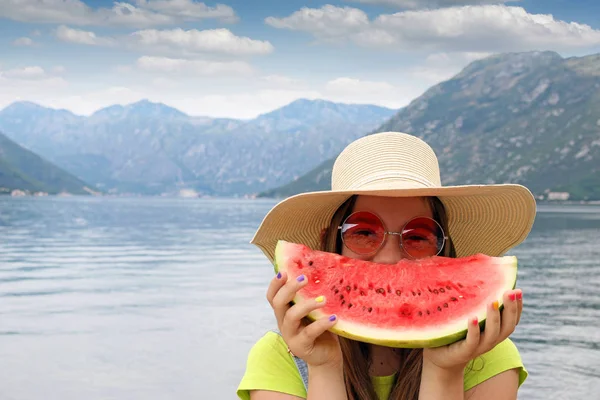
[496,305]
[300,278]
[320,299]
[332,318]
[475,321]
[520,295]
[512,297]
[279,275]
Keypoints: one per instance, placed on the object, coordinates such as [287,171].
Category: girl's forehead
[394,210]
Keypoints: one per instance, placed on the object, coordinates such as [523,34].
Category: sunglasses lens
[422,237]
[363,233]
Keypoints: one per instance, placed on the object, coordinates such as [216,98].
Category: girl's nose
[390,252]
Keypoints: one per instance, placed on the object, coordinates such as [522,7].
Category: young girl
[387,184]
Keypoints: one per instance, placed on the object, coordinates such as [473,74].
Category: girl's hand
[497,329]
[311,342]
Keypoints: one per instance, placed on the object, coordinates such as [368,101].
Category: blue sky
[240,58]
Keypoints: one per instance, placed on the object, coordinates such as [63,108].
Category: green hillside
[20,169]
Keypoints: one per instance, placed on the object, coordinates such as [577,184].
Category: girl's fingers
[519,305]
[293,317]
[317,328]
[470,344]
[493,324]
[509,315]
[285,294]
[276,283]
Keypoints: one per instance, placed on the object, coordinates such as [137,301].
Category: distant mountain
[152,148]
[23,170]
[530,118]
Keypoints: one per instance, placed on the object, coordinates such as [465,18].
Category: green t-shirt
[271,367]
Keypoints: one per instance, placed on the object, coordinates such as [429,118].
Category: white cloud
[23,41]
[241,105]
[59,69]
[79,36]
[195,41]
[282,81]
[26,83]
[177,41]
[88,102]
[352,90]
[487,28]
[147,12]
[189,10]
[417,4]
[25,73]
[193,67]
[439,67]
[326,22]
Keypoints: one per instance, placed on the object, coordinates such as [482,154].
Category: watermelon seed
[348,288]
[310,263]
[448,287]
[364,308]
[317,281]
[343,302]
[460,286]
[420,314]
[341,281]
[439,308]
[413,292]
[370,309]
[419,292]
[453,299]
[445,305]
[442,290]
[336,291]
[435,291]
[428,313]
[380,290]
[398,292]
[349,305]
[355,287]
[341,297]
[362,293]
[389,289]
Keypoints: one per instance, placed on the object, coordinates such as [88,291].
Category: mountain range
[529,118]
[150,148]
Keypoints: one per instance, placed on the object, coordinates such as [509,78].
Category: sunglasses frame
[399,234]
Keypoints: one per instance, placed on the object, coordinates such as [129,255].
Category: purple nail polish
[332,318]
[279,275]
[300,278]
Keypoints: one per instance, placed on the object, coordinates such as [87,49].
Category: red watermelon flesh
[412,304]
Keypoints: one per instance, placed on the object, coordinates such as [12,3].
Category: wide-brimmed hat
[488,219]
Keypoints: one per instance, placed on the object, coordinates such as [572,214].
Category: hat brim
[487,219]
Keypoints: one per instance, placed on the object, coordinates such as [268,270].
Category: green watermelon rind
[349,330]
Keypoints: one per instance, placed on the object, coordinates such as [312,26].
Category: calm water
[162,298]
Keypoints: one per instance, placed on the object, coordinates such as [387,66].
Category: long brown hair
[356,354]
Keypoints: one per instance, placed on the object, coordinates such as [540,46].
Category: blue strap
[300,364]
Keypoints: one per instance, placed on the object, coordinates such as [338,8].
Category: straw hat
[488,219]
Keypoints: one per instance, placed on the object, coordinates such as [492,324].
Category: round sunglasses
[364,233]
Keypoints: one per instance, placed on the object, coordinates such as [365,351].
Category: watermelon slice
[411,304]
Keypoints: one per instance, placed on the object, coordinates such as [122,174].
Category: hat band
[391,174]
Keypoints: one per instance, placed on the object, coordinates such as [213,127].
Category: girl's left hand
[497,328]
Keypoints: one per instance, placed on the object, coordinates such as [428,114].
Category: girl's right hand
[311,342]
